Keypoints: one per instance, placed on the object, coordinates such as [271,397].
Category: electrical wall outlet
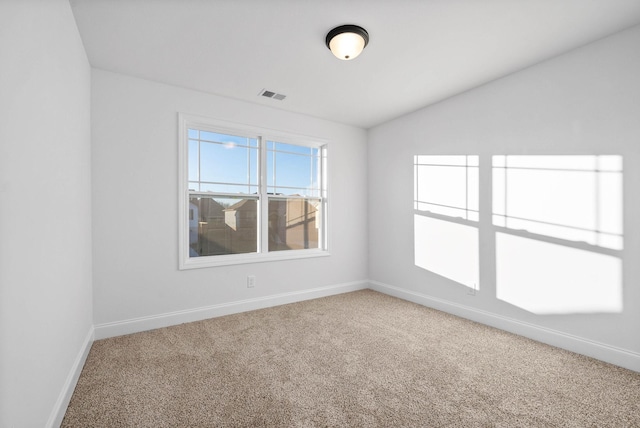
[251,281]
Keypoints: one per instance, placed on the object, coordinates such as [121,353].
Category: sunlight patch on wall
[559,232]
[546,278]
[446,201]
[447,185]
[448,249]
[577,198]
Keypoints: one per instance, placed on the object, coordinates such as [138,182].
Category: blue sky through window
[229,163]
[292,169]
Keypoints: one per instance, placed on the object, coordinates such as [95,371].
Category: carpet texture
[359,359]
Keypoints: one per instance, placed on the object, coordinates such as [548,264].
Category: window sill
[238,259]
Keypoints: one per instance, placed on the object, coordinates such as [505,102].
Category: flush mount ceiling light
[347,41]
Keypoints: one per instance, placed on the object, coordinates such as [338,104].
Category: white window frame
[186,121]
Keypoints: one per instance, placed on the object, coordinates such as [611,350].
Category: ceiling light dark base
[347,29]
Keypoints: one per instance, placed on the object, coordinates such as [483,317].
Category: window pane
[226,163]
[271,169]
[292,170]
[315,165]
[253,167]
[293,224]
[222,225]
[194,161]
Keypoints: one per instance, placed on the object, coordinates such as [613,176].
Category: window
[249,194]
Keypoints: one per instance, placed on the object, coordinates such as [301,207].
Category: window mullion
[263,217]
[323,184]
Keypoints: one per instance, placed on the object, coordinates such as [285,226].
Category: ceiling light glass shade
[347,41]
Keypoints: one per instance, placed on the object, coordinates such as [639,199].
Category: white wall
[135,209]
[45,211]
[584,102]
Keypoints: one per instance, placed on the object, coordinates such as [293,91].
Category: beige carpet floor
[360,359]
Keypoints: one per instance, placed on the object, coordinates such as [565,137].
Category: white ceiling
[420,52]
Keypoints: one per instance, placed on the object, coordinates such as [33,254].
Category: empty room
[334,213]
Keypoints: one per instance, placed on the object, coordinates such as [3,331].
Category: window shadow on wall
[446,217]
[558,222]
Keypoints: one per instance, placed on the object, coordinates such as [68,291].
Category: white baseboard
[135,325]
[601,351]
[60,408]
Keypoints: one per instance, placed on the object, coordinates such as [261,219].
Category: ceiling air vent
[271,94]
